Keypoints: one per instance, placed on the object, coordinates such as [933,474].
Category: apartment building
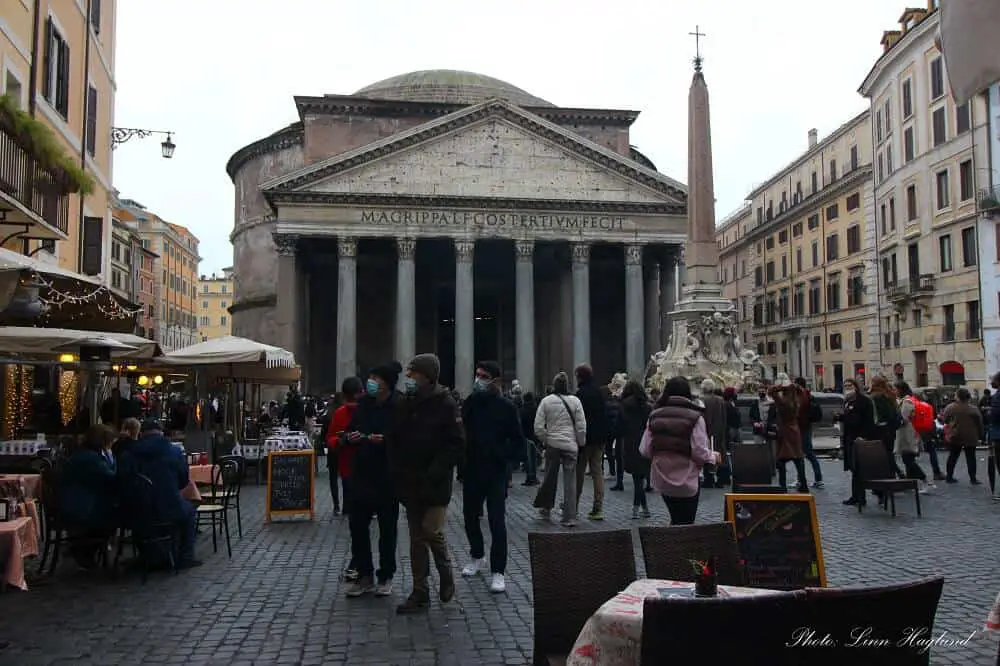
[123,239]
[930,157]
[799,262]
[57,63]
[146,289]
[989,207]
[216,295]
[177,267]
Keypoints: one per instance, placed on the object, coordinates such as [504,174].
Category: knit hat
[427,365]
[388,372]
[707,386]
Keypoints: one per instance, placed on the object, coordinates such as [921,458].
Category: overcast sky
[222,74]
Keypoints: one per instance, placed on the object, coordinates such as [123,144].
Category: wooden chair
[572,575]
[147,534]
[874,472]
[668,551]
[219,511]
[739,630]
[218,487]
[753,469]
[893,611]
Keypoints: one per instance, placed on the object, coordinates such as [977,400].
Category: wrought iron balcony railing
[38,189]
[911,288]
[989,200]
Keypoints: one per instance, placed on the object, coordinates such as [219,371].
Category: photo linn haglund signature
[920,639]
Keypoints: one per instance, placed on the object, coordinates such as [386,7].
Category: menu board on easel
[778,539]
[291,480]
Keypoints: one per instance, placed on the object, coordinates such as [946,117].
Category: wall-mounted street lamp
[120,135]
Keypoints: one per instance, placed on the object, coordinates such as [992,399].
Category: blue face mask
[410,384]
[372,387]
[480,384]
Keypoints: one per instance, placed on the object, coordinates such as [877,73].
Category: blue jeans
[810,454]
[530,462]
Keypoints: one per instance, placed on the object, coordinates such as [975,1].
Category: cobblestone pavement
[279,600]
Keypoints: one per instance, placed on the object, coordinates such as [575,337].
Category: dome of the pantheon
[448,86]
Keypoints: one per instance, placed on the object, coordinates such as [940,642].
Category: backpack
[922,417]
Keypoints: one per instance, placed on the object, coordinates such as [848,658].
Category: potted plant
[705,581]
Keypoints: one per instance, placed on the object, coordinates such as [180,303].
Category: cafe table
[30,483]
[18,540]
[613,634]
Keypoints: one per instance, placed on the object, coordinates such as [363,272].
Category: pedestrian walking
[493,439]
[908,439]
[810,413]
[963,424]
[630,426]
[427,443]
[372,494]
[591,458]
[783,420]
[718,433]
[340,459]
[531,444]
[857,421]
[560,423]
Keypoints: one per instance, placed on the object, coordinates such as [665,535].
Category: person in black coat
[857,421]
[629,429]
[531,445]
[592,455]
[613,447]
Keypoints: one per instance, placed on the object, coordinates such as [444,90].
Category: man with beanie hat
[427,442]
[592,455]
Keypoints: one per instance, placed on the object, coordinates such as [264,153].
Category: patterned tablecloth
[18,540]
[22,447]
[612,635]
[289,442]
[993,619]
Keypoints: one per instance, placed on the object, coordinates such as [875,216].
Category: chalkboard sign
[778,539]
[291,477]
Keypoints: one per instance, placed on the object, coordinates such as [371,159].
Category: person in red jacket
[340,454]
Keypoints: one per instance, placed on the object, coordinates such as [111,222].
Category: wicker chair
[891,611]
[753,469]
[668,551]
[572,575]
[871,465]
[740,630]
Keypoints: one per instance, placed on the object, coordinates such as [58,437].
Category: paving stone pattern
[279,600]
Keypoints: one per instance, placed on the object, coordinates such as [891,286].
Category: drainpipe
[33,72]
[83,133]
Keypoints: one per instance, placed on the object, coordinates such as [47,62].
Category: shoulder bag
[581,438]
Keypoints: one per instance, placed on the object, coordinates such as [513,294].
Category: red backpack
[922,417]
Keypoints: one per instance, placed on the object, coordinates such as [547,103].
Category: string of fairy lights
[108,306]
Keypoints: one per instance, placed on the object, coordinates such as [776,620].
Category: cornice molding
[476,203]
[887,58]
[283,138]
[267,301]
[574,143]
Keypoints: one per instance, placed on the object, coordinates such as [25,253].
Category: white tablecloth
[22,447]
[290,442]
[612,635]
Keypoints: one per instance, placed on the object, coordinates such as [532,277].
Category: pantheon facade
[450,212]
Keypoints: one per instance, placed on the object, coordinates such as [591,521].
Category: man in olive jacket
[426,444]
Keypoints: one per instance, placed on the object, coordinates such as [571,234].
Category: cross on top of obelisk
[697,34]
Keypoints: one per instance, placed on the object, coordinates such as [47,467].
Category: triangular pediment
[490,150]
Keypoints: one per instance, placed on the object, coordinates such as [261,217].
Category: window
[813,222]
[972,326]
[858,339]
[818,347]
[758,276]
[880,168]
[853,239]
[223,304]
[223,319]
[909,145]
[888,159]
[92,260]
[887,116]
[798,259]
[224,286]
[907,99]
[832,212]
[944,252]
[913,260]
[943,194]
[784,265]
[783,236]
[882,218]
[966,185]
[204,289]
[783,311]
[911,203]
[772,348]
[854,158]
[835,342]
[815,182]
[815,253]
[13,88]
[796,230]
[95,16]
[769,272]
[833,293]
[962,119]
[937,78]
[55,85]
[939,129]
[854,202]
[969,246]
[91,120]
[814,302]
[769,243]
[204,305]
[949,323]
[832,247]
[833,170]
[204,321]
[116,280]
[784,346]
[799,304]
[878,126]
[758,312]
[892,213]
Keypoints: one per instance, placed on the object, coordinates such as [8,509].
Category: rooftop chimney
[813,136]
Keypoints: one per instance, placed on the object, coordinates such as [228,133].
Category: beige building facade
[798,260]
[215,296]
[930,156]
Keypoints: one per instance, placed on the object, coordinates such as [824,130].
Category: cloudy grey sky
[222,74]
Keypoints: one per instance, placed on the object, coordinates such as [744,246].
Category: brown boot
[447,591]
[415,603]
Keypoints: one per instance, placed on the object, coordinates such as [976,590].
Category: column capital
[406,248]
[633,254]
[525,249]
[285,244]
[464,250]
[580,252]
[347,247]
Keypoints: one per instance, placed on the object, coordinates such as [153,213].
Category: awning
[13,261]
[32,341]
[952,368]
[971,47]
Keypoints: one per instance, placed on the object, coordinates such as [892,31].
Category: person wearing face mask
[857,421]
[425,444]
[371,487]
[493,440]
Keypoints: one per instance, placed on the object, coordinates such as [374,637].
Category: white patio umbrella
[969,32]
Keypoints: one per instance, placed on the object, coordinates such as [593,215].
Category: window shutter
[49,55]
[62,92]
[91,120]
[93,243]
[95,15]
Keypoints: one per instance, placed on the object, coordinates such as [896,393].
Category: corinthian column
[581,303]
[347,308]
[287,291]
[465,316]
[635,346]
[525,319]
[406,314]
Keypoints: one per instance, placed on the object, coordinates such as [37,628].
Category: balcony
[911,290]
[791,324]
[36,178]
[989,201]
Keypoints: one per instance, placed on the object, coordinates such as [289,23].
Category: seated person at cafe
[126,439]
[88,496]
[156,458]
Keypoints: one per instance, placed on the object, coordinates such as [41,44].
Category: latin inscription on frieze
[492,221]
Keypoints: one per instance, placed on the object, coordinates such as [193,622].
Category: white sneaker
[474,568]
[384,589]
[497,584]
[926,488]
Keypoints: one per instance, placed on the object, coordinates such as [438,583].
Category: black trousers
[970,461]
[639,490]
[386,512]
[800,469]
[489,486]
[331,465]
[682,510]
